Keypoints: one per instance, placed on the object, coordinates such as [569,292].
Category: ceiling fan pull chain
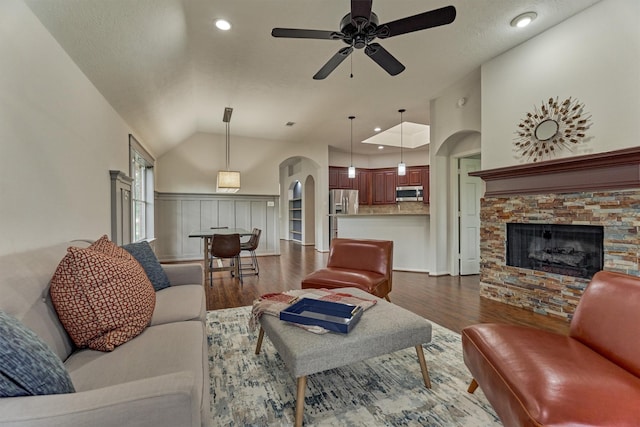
[351,75]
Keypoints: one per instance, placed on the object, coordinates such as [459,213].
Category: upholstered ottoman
[383,328]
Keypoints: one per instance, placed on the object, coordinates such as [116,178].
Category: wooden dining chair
[225,247]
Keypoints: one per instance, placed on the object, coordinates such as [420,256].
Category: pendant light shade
[227,181]
[352,170]
[402,167]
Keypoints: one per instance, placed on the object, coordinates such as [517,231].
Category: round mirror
[546,130]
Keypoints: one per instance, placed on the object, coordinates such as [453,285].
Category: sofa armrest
[184,274]
[167,400]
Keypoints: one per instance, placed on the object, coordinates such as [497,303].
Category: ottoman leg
[260,337]
[302,385]
[423,366]
[473,386]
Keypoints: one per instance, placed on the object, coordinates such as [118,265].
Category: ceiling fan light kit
[359,29]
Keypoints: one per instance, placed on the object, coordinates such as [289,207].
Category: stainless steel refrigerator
[343,202]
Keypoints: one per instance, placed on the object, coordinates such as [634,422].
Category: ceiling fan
[360,27]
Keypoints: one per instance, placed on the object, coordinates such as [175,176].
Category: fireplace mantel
[611,170]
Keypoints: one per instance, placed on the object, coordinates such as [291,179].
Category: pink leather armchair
[364,264]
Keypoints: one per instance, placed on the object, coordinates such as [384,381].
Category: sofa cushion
[27,365]
[175,347]
[143,253]
[179,303]
[102,300]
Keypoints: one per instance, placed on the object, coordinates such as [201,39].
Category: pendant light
[402,167]
[352,169]
[227,181]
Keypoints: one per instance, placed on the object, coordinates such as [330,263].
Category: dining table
[207,235]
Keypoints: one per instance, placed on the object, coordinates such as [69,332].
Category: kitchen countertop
[382,214]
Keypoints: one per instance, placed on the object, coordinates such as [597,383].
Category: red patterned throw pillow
[102,296]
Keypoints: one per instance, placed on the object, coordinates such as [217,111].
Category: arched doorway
[455,200]
[298,181]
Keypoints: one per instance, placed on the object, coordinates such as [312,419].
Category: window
[141,170]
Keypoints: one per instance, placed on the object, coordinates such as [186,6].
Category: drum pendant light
[227,181]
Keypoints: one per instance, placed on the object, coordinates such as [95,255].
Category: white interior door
[470,193]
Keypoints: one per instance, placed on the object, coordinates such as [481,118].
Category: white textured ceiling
[169,72]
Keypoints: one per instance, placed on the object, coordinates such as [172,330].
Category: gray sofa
[159,378]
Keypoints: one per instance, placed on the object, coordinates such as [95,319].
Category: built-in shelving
[295,213]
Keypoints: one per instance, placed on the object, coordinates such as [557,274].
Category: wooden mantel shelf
[611,170]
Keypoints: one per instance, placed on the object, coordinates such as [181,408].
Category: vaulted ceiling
[169,72]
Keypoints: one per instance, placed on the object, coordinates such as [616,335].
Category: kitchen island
[409,232]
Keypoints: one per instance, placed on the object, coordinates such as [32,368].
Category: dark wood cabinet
[339,179]
[363,185]
[413,177]
[383,186]
[378,186]
[333,177]
[425,185]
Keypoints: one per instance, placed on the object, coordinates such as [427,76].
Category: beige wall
[58,140]
[593,56]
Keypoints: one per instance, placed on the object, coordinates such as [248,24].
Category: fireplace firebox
[571,250]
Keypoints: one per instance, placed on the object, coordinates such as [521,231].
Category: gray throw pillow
[143,253]
[28,367]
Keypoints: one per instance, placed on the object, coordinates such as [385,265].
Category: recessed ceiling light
[523,19]
[380,147]
[223,25]
[377,130]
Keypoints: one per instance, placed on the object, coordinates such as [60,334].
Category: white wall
[454,131]
[593,56]
[412,157]
[191,167]
[58,140]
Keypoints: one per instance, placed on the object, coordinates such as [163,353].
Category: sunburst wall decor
[552,127]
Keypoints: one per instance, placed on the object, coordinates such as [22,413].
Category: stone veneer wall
[547,293]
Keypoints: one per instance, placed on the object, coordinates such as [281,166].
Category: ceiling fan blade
[331,65]
[384,59]
[360,12]
[294,33]
[422,21]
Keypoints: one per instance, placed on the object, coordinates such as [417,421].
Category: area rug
[257,390]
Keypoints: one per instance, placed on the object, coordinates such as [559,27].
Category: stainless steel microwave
[409,194]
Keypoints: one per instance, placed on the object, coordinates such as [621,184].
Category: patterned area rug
[257,390]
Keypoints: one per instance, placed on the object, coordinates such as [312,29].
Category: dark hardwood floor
[452,302]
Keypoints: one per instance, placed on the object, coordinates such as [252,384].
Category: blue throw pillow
[28,367]
[143,253]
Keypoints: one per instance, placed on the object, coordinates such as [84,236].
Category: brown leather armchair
[589,378]
[364,264]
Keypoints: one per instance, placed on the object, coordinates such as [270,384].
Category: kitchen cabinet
[363,185]
[425,185]
[412,178]
[378,186]
[383,186]
[339,179]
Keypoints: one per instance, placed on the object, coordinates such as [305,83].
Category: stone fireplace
[594,192]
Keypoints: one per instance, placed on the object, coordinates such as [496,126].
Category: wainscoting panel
[179,214]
